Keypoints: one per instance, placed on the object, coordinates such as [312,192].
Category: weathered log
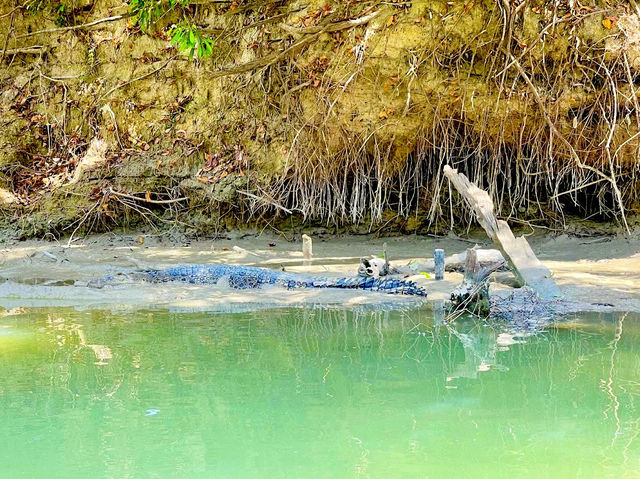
[455,262]
[517,252]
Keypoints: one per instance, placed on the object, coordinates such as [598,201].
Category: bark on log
[517,251]
[472,294]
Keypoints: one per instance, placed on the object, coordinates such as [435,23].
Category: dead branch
[519,255]
[75,27]
[332,27]
[277,57]
[34,50]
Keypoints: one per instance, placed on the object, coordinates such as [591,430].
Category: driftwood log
[454,262]
[517,252]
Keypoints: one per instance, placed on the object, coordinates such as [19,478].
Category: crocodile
[249,277]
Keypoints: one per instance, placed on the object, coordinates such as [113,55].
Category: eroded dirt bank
[337,112]
[601,272]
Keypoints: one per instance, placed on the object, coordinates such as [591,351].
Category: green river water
[314,393]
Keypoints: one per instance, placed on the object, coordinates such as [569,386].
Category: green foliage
[37,5]
[62,15]
[146,12]
[187,38]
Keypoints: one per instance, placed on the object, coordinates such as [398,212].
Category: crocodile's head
[373,267]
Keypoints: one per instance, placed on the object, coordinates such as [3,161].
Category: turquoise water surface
[314,393]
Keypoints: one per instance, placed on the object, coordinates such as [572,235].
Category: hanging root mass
[344,114]
[547,133]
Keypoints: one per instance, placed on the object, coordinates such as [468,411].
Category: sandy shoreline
[597,270]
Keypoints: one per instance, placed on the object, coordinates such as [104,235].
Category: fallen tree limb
[454,262]
[332,27]
[516,251]
[276,57]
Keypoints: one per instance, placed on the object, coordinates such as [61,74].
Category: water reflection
[317,393]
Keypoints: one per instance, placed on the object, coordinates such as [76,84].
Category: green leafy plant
[185,35]
[146,12]
[187,38]
[37,5]
[62,15]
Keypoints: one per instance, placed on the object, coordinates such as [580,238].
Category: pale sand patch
[589,270]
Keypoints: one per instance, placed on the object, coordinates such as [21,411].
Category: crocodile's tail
[387,285]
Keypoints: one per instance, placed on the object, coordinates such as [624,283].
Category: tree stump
[472,295]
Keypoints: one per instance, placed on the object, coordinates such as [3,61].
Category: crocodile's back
[247,277]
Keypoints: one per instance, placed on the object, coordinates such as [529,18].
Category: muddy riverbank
[603,272]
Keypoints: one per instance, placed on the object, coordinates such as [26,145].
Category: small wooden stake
[307,247]
[386,258]
[438,258]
